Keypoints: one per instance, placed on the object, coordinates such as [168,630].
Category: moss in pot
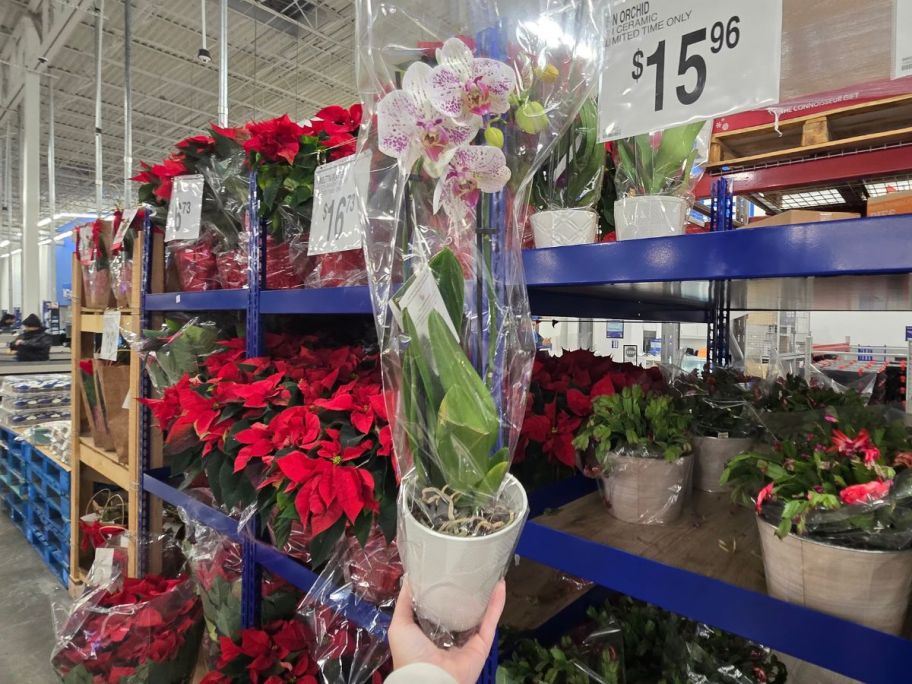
[638,445]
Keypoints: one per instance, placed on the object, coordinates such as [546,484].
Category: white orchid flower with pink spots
[467,88]
[409,127]
[472,170]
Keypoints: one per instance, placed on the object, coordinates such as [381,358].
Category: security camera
[203,56]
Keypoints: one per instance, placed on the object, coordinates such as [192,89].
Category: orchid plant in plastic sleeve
[464,103]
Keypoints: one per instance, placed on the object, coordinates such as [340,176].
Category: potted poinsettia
[834,510]
[569,184]
[655,177]
[445,217]
[637,444]
[724,422]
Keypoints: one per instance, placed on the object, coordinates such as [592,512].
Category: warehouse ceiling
[285,56]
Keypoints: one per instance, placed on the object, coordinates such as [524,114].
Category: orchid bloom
[409,127]
[473,170]
[467,88]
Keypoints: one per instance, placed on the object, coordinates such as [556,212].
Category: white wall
[863,327]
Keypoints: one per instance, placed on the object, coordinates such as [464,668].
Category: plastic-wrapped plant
[445,218]
[569,184]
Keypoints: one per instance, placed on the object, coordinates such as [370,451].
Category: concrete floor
[27,590]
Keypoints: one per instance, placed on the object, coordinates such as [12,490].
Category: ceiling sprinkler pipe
[223,64]
[203,56]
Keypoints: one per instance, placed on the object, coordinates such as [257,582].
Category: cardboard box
[802,216]
[890,204]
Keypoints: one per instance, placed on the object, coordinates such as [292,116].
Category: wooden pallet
[841,129]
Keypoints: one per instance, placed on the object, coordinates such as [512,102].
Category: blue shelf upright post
[251,575]
[719,328]
[145,388]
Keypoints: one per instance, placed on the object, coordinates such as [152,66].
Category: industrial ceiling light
[202,55]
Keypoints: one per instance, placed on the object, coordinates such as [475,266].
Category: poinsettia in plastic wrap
[215,565]
[217,257]
[130,630]
[285,155]
[560,401]
[301,435]
[121,262]
[93,249]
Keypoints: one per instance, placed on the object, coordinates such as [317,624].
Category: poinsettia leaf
[322,545]
[213,465]
[362,527]
[386,519]
[279,605]
[78,675]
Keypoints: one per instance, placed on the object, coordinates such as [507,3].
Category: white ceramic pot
[868,587]
[452,578]
[562,227]
[649,216]
[647,491]
[711,455]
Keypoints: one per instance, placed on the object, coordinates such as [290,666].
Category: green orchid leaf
[451,282]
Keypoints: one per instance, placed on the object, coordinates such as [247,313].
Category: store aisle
[27,589]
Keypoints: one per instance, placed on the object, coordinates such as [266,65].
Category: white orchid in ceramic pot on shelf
[460,118]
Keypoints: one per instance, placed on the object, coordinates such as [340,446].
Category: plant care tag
[103,567]
[84,246]
[902,39]
[672,62]
[336,223]
[185,209]
[110,335]
[125,221]
[420,296]
[723,435]
[126,402]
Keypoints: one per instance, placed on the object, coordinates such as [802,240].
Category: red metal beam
[853,165]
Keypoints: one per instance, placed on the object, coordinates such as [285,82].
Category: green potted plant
[723,421]
[455,140]
[569,184]
[638,445]
[655,178]
[834,510]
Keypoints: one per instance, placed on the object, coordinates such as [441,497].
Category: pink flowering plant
[846,481]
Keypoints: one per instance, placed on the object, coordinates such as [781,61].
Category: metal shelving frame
[689,278]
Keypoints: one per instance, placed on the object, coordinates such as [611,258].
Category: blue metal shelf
[156,482]
[623,279]
[327,301]
[827,641]
[212,300]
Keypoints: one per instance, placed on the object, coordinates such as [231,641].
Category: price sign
[185,208]
[110,335]
[902,39]
[336,224]
[125,220]
[670,62]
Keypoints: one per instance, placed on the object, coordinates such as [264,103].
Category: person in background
[416,660]
[7,322]
[33,344]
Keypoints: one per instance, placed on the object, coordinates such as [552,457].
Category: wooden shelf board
[103,463]
[713,537]
[93,321]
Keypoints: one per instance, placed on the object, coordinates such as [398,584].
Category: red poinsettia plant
[302,435]
[560,402]
[847,480]
[277,653]
[131,630]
